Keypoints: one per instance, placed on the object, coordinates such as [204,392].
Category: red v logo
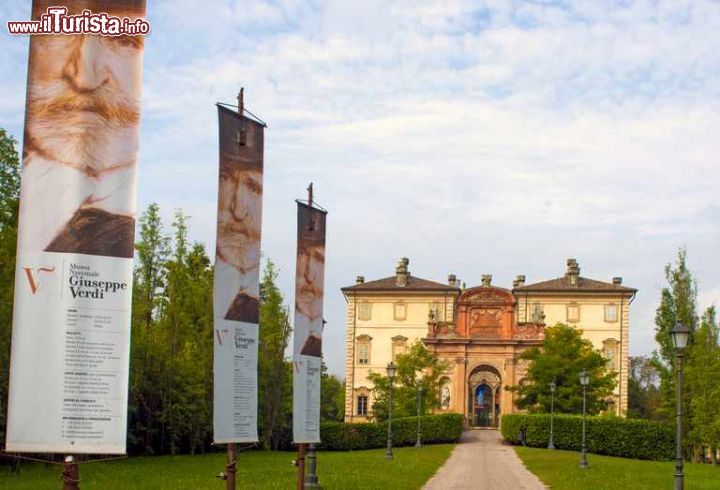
[32,281]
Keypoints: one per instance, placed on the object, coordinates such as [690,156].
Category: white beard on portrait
[92,132]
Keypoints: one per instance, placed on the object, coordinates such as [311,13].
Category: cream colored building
[480,331]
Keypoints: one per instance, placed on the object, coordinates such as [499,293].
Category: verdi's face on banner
[310,268]
[83,101]
[239,214]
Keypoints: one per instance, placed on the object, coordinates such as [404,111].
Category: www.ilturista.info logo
[57,21]
[34,276]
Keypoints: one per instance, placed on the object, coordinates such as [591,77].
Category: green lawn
[411,468]
[559,470]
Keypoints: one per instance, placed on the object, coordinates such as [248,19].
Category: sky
[472,137]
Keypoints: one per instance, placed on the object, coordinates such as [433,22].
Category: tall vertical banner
[307,345]
[73,279]
[236,303]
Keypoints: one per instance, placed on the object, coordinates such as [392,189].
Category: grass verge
[411,468]
[559,470]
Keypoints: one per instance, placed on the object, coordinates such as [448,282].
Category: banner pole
[230,468]
[302,448]
[70,474]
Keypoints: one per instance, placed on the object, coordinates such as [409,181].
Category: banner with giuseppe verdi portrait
[307,343]
[236,294]
[73,279]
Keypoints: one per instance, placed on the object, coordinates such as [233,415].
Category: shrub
[434,429]
[612,436]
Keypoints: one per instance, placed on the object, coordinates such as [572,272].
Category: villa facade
[480,332]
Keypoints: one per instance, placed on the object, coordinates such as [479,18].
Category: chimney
[519,281]
[452,280]
[617,281]
[401,272]
[573,272]
[360,280]
[486,280]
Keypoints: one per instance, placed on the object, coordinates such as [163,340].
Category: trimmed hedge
[434,429]
[339,436]
[612,436]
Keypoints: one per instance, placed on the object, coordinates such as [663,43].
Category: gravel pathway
[481,461]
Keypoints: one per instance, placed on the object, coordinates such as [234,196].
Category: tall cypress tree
[703,380]
[678,302]
[274,374]
[153,251]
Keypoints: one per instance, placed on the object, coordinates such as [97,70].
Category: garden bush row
[612,436]
[339,436]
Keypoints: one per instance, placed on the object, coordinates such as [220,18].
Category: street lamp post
[584,381]
[679,335]
[418,443]
[551,445]
[391,377]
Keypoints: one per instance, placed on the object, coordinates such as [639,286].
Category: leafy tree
[643,391]
[274,372]
[9,192]
[171,368]
[416,367]
[153,251]
[563,356]
[677,304]
[702,374]
[332,397]
[194,369]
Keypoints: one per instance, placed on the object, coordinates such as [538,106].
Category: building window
[537,315]
[399,346]
[365,311]
[362,404]
[363,349]
[400,311]
[610,352]
[573,312]
[434,312]
[364,354]
[611,313]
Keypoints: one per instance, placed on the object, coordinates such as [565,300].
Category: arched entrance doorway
[484,386]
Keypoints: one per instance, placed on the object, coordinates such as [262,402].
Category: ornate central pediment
[486,313]
[485,297]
